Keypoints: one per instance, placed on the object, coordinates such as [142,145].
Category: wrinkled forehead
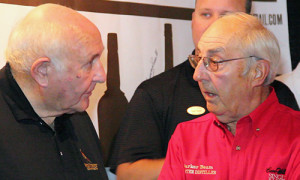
[215,37]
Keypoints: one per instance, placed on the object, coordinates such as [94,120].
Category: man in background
[162,102]
[248,134]
[291,79]
[53,65]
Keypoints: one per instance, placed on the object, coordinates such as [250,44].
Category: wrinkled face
[72,86]
[226,91]
[207,11]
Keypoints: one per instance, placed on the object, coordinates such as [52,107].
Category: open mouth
[209,94]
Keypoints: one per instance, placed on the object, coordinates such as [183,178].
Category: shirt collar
[23,111]
[261,116]
[264,113]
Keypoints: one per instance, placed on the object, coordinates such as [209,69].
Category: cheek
[69,79]
[223,85]
[234,90]
[83,83]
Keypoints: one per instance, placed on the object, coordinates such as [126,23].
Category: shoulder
[285,95]
[207,118]
[197,130]
[195,125]
[279,86]
[5,109]
[5,112]
[281,89]
[289,112]
[288,116]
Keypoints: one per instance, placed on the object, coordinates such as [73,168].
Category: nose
[200,72]
[99,73]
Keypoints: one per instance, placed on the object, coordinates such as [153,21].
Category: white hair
[253,39]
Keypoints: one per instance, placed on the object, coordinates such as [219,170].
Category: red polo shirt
[266,146]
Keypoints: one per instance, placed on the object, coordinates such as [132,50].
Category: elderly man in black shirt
[53,65]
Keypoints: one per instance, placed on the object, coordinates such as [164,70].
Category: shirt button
[237,148]
[257,129]
[41,123]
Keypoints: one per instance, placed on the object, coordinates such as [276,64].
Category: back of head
[48,30]
[251,38]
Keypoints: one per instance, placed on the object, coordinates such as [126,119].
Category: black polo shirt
[30,149]
[157,106]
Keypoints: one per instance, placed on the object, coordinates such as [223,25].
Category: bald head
[49,30]
[56,14]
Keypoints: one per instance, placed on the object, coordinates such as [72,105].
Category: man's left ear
[262,69]
[39,71]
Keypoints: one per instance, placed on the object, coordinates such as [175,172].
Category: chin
[215,111]
[210,107]
[81,106]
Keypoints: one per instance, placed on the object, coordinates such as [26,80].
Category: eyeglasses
[212,63]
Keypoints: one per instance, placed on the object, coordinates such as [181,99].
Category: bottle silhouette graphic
[113,103]
[168,47]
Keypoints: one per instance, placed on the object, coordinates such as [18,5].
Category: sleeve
[139,134]
[173,167]
[285,95]
[293,169]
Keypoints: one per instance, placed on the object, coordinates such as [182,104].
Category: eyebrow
[95,56]
[92,59]
[216,50]
[204,9]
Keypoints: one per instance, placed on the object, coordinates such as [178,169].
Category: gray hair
[253,39]
[28,41]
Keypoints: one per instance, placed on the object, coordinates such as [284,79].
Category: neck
[254,100]
[33,94]
[49,121]
[232,127]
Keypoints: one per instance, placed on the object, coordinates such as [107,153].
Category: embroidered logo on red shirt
[276,174]
[199,169]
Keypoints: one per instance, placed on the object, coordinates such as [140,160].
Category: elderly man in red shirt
[248,134]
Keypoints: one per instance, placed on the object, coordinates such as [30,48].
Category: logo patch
[199,169]
[276,174]
[88,163]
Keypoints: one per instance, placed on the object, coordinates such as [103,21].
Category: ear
[261,71]
[39,71]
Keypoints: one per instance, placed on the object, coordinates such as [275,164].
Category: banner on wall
[273,15]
